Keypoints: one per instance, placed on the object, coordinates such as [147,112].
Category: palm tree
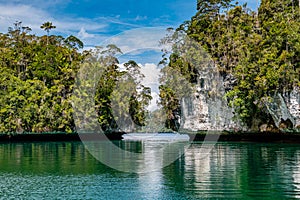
[47,26]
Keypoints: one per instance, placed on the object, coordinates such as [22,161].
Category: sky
[135,26]
[96,20]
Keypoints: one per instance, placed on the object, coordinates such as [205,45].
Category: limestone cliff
[207,109]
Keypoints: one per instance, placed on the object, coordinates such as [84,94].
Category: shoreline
[194,137]
[58,137]
[268,137]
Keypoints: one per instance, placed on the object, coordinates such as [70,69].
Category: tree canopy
[37,76]
[258,51]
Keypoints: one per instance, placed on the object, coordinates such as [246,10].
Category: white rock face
[207,110]
[294,106]
[286,109]
[195,114]
[204,114]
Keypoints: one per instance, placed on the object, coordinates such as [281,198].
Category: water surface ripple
[65,170]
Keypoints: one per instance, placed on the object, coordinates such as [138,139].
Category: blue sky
[94,21]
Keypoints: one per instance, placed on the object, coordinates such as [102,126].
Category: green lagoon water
[66,170]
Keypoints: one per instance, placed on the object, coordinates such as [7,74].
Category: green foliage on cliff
[260,50]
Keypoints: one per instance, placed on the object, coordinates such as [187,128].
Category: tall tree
[47,26]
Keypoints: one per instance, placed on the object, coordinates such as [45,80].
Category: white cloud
[34,18]
[140,18]
[39,3]
[31,16]
[152,74]
[117,20]
[140,38]
[83,34]
[91,31]
[153,104]
[75,25]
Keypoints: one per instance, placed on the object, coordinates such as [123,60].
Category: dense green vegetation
[37,75]
[258,51]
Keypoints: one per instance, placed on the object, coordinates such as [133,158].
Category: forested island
[256,54]
[257,57]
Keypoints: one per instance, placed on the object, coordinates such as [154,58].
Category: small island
[230,69]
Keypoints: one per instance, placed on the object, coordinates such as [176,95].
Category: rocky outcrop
[293,103]
[203,113]
[207,108]
[285,110]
